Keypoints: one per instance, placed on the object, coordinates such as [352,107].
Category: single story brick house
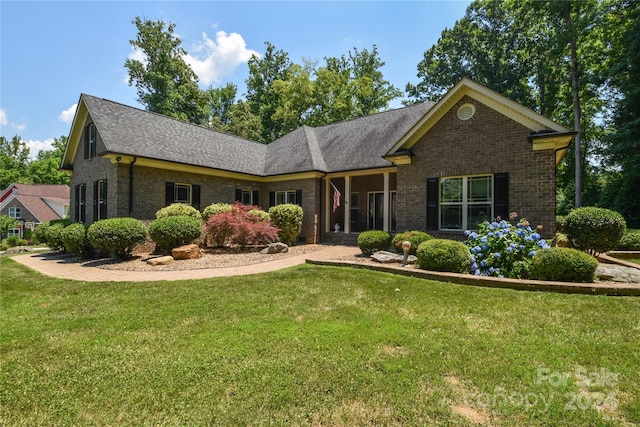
[439,167]
[33,204]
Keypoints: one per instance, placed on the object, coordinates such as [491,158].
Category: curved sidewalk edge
[614,289]
[51,264]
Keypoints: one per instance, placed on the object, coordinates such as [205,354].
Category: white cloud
[68,114]
[3,117]
[215,59]
[36,146]
[22,126]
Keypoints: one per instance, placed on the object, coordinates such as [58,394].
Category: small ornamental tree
[240,227]
[6,224]
[288,218]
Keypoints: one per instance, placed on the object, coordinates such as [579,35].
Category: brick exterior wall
[488,143]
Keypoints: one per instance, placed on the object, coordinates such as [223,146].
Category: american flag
[336,197]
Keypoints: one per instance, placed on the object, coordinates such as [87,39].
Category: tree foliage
[165,83]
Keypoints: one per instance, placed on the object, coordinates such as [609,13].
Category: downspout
[131,186]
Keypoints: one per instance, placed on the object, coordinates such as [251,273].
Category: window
[283,197]
[90,141]
[182,193]
[99,199]
[14,212]
[81,202]
[465,201]
[247,197]
[13,232]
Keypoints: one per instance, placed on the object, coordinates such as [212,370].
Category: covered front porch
[358,201]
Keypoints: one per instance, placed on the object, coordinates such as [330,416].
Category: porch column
[347,201]
[327,205]
[385,203]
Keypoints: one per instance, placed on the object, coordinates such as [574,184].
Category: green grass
[311,346]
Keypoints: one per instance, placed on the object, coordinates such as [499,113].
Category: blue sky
[52,51]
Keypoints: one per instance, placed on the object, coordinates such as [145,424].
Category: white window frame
[15,212]
[288,196]
[13,232]
[248,194]
[465,201]
[177,187]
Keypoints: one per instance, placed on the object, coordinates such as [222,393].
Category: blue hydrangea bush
[502,249]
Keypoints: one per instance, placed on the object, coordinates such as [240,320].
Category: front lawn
[312,346]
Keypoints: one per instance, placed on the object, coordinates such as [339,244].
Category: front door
[376,211]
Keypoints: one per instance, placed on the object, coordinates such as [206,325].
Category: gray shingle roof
[343,146]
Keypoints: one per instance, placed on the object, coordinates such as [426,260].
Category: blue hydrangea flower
[497,255]
[532,253]
[483,239]
[483,263]
[510,249]
[467,232]
[535,236]
[542,243]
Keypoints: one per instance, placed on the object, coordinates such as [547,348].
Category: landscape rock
[386,257]
[617,273]
[162,260]
[275,248]
[16,250]
[186,252]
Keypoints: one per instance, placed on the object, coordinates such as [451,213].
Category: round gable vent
[466,111]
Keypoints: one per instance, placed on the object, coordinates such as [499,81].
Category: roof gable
[466,87]
[44,202]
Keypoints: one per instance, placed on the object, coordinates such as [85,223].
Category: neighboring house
[33,204]
[440,167]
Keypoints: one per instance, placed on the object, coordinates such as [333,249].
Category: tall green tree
[221,102]
[624,149]
[165,83]
[45,169]
[14,161]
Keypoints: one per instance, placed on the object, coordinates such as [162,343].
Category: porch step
[350,239]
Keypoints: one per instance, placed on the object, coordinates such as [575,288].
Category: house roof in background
[37,199]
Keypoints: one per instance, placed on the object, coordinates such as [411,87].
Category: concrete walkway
[52,264]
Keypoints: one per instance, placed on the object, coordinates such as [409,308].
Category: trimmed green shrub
[564,265]
[117,236]
[561,240]
[444,255]
[288,218]
[372,241]
[415,237]
[630,241]
[41,231]
[262,215]
[75,240]
[53,236]
[12,241]
[172,231]
[594,230]
[3,246]
[214,209]
[178,209]
[561,220]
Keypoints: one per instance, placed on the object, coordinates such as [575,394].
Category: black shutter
[255,198]
[195,196]
[432,203]
[501,195]
[83,206]
[169,196]
[95,201]
[238,195]
[299,197]
[86,143]
[94,138]
[76,205]
[103,206]
[272,198]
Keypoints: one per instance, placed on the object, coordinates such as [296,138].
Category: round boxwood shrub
[444,255]
[53,234]
[117,236]
[594,230]
[288,218]
[262,215]
[214,209]
[415,237]
[172,231]
[373,241]
[179,209]
[564,265]
[630,241]
[75,239]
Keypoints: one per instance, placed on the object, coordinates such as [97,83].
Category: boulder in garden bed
[162,260]
[275,248]
[186,252]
